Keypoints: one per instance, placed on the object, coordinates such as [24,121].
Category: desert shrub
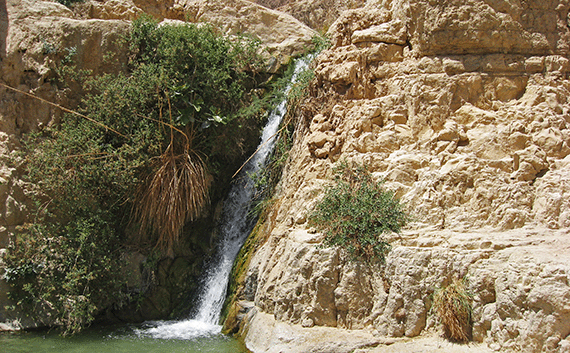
[452,307]
[205,74]
[67,278]
[136,159]
[320,43]
[355,212]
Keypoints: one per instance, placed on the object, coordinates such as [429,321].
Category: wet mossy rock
[241,288]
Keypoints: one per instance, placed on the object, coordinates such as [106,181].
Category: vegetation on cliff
[164,130]
[68,2]
[356,211]
[266,178]
[453,309]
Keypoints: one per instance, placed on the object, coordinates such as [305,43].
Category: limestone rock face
[463,108]
[108,10]
[317,14]
[281,34]
[473,26]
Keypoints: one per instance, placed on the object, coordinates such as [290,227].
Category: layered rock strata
[463,108]
[317,14]
[282,35]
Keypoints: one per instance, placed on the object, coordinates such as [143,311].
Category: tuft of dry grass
[176,193]
[452,306]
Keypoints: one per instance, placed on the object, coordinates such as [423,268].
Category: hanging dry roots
[452,306]
[175,194]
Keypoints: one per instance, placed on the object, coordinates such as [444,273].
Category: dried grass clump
[176,193]
[452,306]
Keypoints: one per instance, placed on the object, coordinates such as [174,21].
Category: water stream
[234,230]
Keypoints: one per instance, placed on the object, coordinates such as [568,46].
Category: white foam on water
[180,330]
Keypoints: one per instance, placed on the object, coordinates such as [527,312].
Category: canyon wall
[461,106]
[463,109]
[317,14]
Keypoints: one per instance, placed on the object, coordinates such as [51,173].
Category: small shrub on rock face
[356,211]
[452,306]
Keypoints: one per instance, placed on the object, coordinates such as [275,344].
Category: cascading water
[234,230]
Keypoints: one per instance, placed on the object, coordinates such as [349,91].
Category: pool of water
[164,337]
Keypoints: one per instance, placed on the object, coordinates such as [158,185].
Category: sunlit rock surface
[317,14]
[463,108]
[282,35]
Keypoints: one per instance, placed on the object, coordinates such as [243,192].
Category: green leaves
[355,212]
[66,269]
[180,79]
[68,2]
[200,70]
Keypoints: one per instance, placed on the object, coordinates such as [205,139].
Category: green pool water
[154,337]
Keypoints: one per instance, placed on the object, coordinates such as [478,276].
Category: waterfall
[233,232]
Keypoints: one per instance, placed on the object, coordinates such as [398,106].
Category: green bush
[140,133]
[66,278]
[356,211]
[205,75]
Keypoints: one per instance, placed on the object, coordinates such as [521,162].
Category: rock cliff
[317,14]
[463,108]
